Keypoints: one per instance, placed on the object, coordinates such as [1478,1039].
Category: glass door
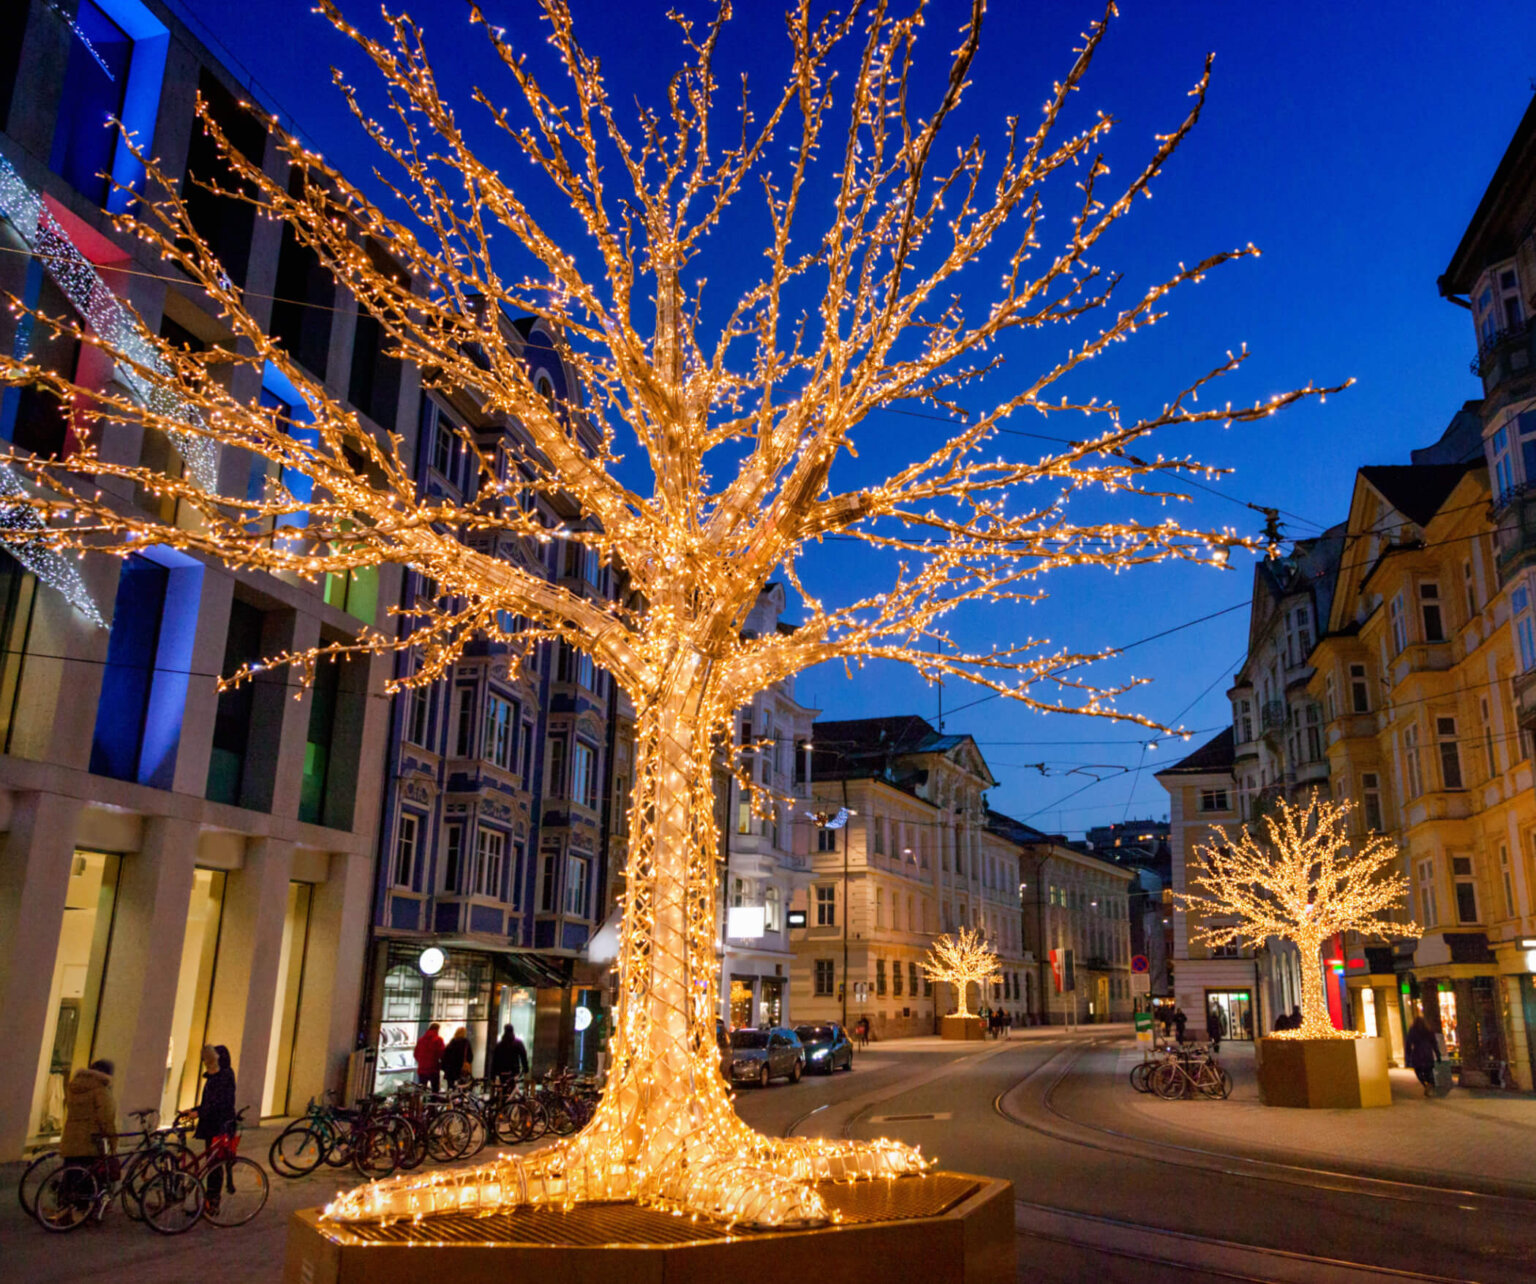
[194,988]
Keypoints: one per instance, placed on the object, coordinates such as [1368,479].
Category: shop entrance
[1234,1013]
[194,990]
[741,1002]
[773,1000]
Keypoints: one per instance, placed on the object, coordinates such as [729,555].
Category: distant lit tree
[699,450]
[1304,881]
[960,960]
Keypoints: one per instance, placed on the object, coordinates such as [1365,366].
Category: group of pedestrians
[453,1061]
[999,1023]
[90,1114]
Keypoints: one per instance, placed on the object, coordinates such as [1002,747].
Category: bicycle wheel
[172,1202]
[65,1199]
[37,1173]
[479,1134]
[375,1152]
[338,1138]
[1168,1081]
[513,1122]
[1141,1076]
[1214,1081]
[234,1192]
[296,1151]
[141,1170]
[411,1140]
[448,1135]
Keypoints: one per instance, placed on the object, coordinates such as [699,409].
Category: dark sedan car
[826,1047]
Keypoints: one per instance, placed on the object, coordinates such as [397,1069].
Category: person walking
[457,1057]
[429,1058]
[862,1029]
[510,1057]
[216,1115]
[1213,1027]
[1422,1052]
[1179,1022]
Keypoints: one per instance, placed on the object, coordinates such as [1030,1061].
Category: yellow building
[1413,674]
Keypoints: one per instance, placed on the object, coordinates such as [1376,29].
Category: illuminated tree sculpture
[960,959]
[1305,882]
[716,431]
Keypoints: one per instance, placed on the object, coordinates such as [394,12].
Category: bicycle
[77,1192]
[1183,1076]
[220,1185]
[152,1141]
[324,1135]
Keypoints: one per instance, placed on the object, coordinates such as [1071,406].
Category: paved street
[1111,1186]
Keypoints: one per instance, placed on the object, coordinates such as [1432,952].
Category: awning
[542,972]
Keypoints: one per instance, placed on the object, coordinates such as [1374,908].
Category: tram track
[1210,1255]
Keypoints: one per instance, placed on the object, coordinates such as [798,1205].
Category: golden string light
[961,959]
[1304,881]
[768,403]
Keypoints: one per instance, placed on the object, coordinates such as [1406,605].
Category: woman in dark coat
[457,1057]
[1422,1053]
[216,1112]
[510,1056]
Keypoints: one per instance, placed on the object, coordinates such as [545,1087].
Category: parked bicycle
[1193,1072]
[98,1182]
[220,1185]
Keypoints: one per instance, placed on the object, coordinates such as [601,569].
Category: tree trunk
[1315,1021]
[665,1132]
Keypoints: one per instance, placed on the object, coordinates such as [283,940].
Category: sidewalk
[1478,1137]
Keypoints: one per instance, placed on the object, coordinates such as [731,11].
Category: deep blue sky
[1350,142]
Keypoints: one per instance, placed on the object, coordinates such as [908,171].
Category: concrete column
[34,884]
[138,997]
[250,948]
[329,1002]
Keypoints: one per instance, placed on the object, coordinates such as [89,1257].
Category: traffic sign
[1138,963]
[1144,1027]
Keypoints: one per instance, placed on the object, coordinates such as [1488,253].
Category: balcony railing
[1272,715]
[1501,342]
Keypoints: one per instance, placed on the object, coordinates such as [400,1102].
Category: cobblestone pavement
[1479,1137]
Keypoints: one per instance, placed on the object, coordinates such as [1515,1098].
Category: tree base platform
[941,1227]
[1324,1074]
[963,1027]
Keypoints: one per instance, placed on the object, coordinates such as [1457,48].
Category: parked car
[826,1047]
[767,1053]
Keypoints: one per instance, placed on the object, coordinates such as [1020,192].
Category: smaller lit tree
[961,959]
[1304,882]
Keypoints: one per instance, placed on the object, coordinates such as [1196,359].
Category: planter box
[1324,1074]
[941,1228]
[964,1027]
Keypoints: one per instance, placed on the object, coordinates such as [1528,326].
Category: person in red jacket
[429,1058]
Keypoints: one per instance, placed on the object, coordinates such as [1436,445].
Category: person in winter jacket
[1422,1052]
[429,1058]
[510,1056]
[90,1111]
[1214,1027]
[1179,1022]
[457,1057]
[216,1113]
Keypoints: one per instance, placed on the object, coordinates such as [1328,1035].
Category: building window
[1370,789]
[1329,700]
[912,979]
[824,978]
[1503,469]
[1359,689]
[826,906]
[418,706]
[1314,732]
[584,769]
[405,850]
[1429,612]
[1469,587]
[879,828]
[773,905]
[1244,721]
[515,894]
[1466,889]
[95,79]
[1491,760]
[550,880]
[1399,625]
[1506,877]
[1525,632]
[557,768]
[1214,800]
[444,440]
[453,857]
[1450,753]
[463,733]
[576,868]
[499,741]
[1411,760]
[880,978]
[879,907]
[490,848]
[826,839]
[527,757]
[896,978]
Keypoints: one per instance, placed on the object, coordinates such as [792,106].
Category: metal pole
[847,825]
[725,899]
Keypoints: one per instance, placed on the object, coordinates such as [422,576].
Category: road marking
[890,1119]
